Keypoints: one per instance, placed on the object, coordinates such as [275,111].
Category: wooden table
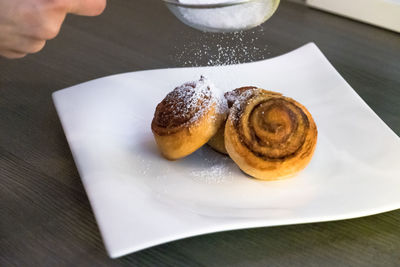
[45,216]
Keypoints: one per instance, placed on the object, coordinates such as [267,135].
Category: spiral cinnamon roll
[187,118]
[217,142]
[269,136]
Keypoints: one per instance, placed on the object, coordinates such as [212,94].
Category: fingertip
[88,7]
[36,46]
[100,7]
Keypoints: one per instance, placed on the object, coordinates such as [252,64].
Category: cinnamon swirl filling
[272,127]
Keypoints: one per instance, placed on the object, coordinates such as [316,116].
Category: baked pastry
[269,136]
[187,118]
[217,142]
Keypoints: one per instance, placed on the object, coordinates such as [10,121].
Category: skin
[26,25]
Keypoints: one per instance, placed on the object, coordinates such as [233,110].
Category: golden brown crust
[189,138]
[186,119]
[269,136]
[217,142]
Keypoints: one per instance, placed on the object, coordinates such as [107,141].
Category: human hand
[26,25]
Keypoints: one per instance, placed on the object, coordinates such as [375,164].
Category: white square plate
[140,199]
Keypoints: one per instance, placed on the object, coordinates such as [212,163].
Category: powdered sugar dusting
[187,103]
[220,172]
[195,92]
[243,97]
[217,95]
[204,88]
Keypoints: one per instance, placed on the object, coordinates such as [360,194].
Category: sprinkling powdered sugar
[212,49]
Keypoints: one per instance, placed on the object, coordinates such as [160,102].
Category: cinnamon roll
[269,136]
[187,118]
[217,142]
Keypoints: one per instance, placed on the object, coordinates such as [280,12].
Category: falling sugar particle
[221,49]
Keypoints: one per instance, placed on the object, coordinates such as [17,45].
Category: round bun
[187,118]
[269,136]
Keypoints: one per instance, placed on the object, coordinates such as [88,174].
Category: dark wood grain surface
[45,216]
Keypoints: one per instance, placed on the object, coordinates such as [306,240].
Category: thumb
[86,7]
